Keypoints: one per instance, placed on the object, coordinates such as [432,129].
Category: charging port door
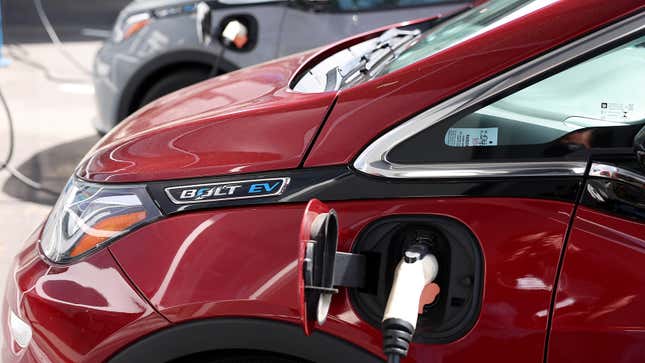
[316,260]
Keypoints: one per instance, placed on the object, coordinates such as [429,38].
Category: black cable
[7,111]
[218,60]
[6,164]
[397,335]
[27,60]
[51,32]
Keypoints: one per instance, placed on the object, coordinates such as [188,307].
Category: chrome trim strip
[612,172]
[475,170]
[373,160]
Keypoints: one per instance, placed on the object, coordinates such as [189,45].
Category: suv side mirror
[204,23]
[639,147]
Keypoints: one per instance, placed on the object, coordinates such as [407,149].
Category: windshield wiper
[385,49]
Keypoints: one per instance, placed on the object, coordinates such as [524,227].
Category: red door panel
[599,314]
[242,261]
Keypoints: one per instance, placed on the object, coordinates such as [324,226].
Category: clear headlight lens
[130,26]
[87,217]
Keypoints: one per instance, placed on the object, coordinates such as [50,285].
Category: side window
[587,105]
[370,5]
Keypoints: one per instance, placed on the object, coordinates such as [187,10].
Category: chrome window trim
[373,159]
[476,170]
[612,172]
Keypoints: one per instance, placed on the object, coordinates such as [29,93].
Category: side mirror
[204,23]
[639,147]
[235,34]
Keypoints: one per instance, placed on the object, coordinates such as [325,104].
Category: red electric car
[462,188]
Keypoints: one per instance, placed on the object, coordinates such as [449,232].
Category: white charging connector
[417,269]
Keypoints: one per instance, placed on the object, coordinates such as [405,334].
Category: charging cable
[6,163]
[417,269]
[55,39]
[25,58]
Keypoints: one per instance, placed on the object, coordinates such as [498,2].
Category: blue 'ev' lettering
[263,187]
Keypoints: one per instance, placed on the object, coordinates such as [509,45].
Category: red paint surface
[364,112]
[249,121]
[599,314]
[242,262]
[240,122]
[82,313]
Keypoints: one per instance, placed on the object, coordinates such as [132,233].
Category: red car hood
[245,121]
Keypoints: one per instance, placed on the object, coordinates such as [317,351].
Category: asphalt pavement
[72,19]
[53,131]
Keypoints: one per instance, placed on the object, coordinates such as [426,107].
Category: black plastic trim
[248,334]
[350,270]
[340,183]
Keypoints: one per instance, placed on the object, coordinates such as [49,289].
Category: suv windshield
[464,26]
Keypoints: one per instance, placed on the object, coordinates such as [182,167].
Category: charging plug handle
[415,271]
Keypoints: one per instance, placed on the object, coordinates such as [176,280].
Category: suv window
[556,113]
[367,5]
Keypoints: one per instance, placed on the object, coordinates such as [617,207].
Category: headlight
[130,26]
[87,217]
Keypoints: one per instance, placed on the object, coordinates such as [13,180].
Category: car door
[598,309]
[600,300]
[310,23]
[494,176]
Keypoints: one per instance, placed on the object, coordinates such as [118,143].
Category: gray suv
[155,48]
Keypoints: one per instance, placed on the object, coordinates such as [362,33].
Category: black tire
[172,82]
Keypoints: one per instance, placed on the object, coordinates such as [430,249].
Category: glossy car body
[558,239]
[130,72]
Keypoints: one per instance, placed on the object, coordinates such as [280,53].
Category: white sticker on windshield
[465,137]
[614,111]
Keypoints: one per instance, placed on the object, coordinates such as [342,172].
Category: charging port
[453,313]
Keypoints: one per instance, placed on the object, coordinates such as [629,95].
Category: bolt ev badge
[214,192]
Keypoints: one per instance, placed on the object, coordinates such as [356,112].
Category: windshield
[464,26]
[397,48]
